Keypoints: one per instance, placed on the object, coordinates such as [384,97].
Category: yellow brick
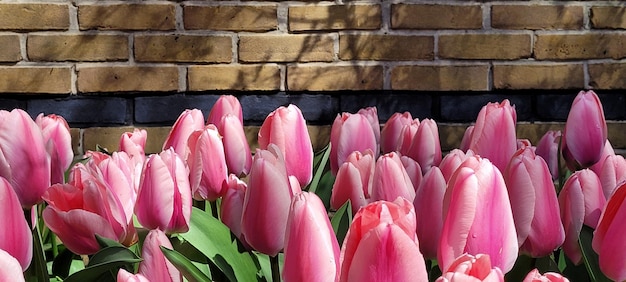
[127,17]
[77,47]
[327,78]
[10,48]
[285,48]
[484,46]
[234,77]
[334,17]
[232,18]
[34,16]
[55,80]
[440,78]
[537,17]
[183,48]
[113,79]
[607,76]
[412,16]
[544,76]
[385,47]
[580,46]
[608,17]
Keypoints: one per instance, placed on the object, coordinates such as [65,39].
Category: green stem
[214,209]
[275,268]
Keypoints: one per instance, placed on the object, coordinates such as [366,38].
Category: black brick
[316,109]
[465,108]
[84,111]
[166,109]
[419,105]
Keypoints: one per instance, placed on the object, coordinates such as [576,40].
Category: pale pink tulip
[425,146]
[391,179]
[371,113]
[232,206]
[354,181]
[467,138]
[612,174]
[390,133]
[134,143]
[125,276]
[468,268]
[236,147]
[188,122]
[429,208]
[207,164]
[17,239]
[608,151]
[225,104]
[477,216]
[155,267]
[407,134]
[608,238]
[343,142]
[11,269]
[56,135]
[413,170]
[548,149]
[451,162]
[494,134]
[535,276]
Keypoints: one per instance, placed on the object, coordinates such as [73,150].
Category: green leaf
[106,242]
[38,269]
[264,263]
[341,221]
[325,188]
[62,263]
[104,265]
[319,168]
[186,267]
[546,264]
[213,239]
[589,256]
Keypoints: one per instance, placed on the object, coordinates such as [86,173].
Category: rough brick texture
[77,47]
[537,17]
[607,17]
[286,48]
[385,47]
[580,46]
[31,16]
[608,76]
[334,17]
[183,48]
[410,16]
[440,78]
[544,76]
[55,80]
[127,17]
[113,79]
[328,78]
[485,46]
[232,18]
[10,48]
[234,77]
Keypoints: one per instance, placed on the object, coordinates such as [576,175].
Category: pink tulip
[354,181]
[286,128]
[232,205]
[317,257]
[585,131]
[407,134]
[608,151]
[494,133]
[429,208]
[452,161]
[468,268]
[413,170]
[56,135]
[345,127]
[477,216]
[548,149]
[266,204]
[236,147]
[371,113]
[17,239]
[467,138]
[24,161]
[391,179]
[534,204]
[125,276]
[381,244]
[581,202]
[155,267]
[612,174]
[535,276]
[391,131]
[164,198]
[11,269]
[207,164]
[188,122]
[425,146]
[134,143]
[608,238]
[225,104]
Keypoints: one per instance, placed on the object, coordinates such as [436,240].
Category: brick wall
[140,63]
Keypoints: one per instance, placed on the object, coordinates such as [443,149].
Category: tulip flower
[429,208]
[286,128]
[155,267]
[425,146]
[345,127]
[612,174]
[452,161]
[134,143]
[535,276]
[608,151]
[608,238]
[413,170]
[315,258]
[391,179]
[407,134]
[534,204]
[493,136]
[232,205]
[207,164]
[24,161]
[477,216]
[467,138]
[236,147]
[125,276]
[391,131]
[581,202]
[381,244]
[17,239]
[11,269]
[266,203]
[188,122]
[164,198]
[56,136]
[548,149]
[354,181]
[225,104]
[585,131]
[472,268]
[371,113]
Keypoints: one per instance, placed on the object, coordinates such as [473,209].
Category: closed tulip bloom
[535,276]
[494,134]
[232,205]
[581,202]
[56,136]
[391,131]
[467,138]
[17,240]
[24,161]
[125,276]
[608,151]
[413,170]
[236,147]
[612,174]
[188,122]
[406,137]
[317,257]
[371,113]
[286,128]
[381,244]
[266,203]
[468,268]
[345,127]
[134,143]
[11,269]
[207,164]
[429,208]
[425,146]
[225,105]
[451,162]
[164,198]
[608,238]
[155,267]
[391,179]
[354,181]
[534,204]
[477,216]
[548,149]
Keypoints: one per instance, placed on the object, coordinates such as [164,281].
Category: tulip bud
[608,238]
[134,143]
[56,136]
[548,149]
[608,151]
[390,134]
[451,162]
[225,105]
[188,122]
[612,174]
[11,269]
[236,147]
[354,181]
[391,179]
[207,164]
[535,276]
[413,170]
[425,146]
[407,134]
[125,276]
[467,138]
[345,127]
[17,240]
[371,113]
[494,134]
[472,268]
[429,208]
[232,206]
[155,267]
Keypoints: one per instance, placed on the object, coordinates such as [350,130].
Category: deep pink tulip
[585,131]
[207,164]
[467,138]
[381,244]
[581,202]
[134,143]
[612,174]
[317,257]
[155,267]
[56,135]
[11,269]
[477,216]
[534,204]
[608,238]
[391,179]
[425,146]
[452,161]
[429,208]
[225,104]
[164,198]
[125,276]
[548,149]
[345,127]
[236,147]
[354,181]
[17,239]
[286,128]
[390,133]
[232,205]
[535,276]
[494,134]
[413,170]
[24,161]
[468,268]
[266,204]
[188,122]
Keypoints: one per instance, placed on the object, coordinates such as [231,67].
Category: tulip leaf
[184,265]
[106,242]
[214,240]
[320,166]
[341,221]
[62,263]
[104,265]
[589,255]
[38,269]
[266,268]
